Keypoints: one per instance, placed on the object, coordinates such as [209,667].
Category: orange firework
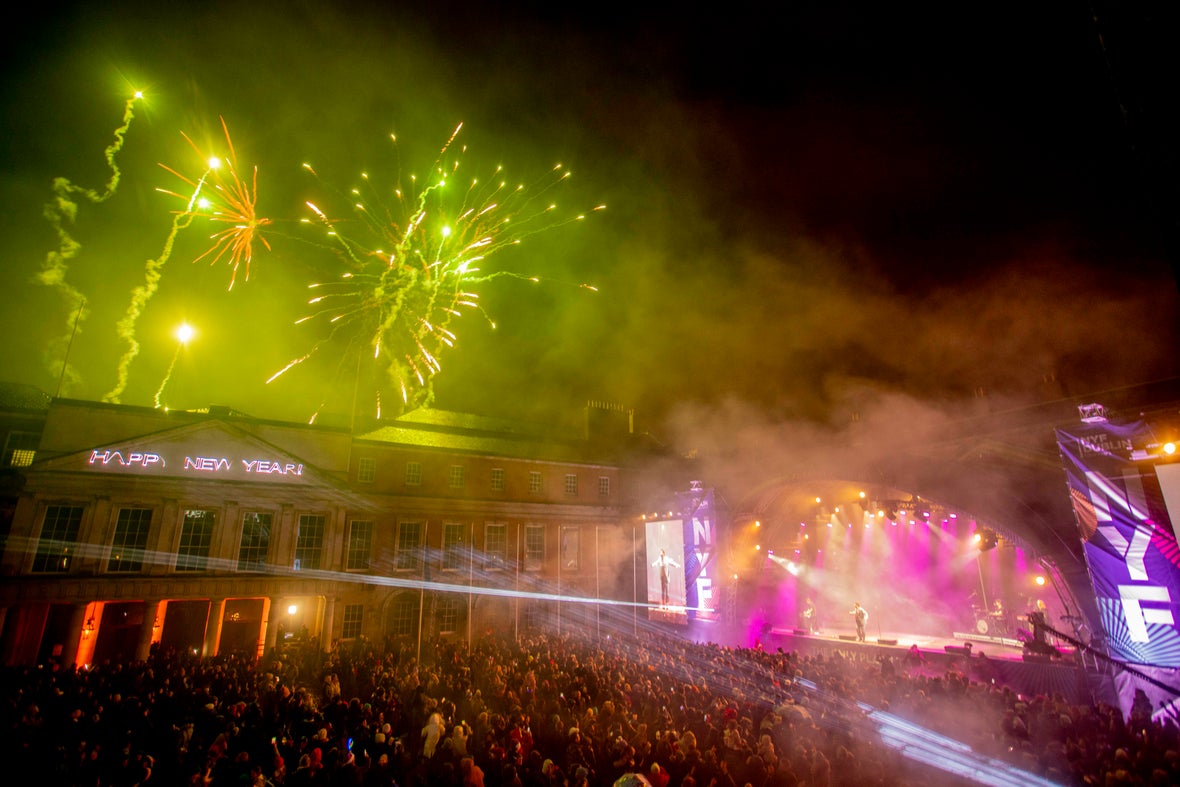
[221,196]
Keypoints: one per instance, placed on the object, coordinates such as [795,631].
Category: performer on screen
[663,562]
[861,616]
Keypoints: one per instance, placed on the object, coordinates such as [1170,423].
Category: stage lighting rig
[986,539]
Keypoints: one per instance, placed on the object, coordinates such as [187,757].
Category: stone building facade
[216,532]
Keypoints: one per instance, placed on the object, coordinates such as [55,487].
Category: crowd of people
[549,711]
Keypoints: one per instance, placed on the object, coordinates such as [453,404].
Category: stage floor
[992,647]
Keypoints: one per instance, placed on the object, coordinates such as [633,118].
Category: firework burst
[412,264]
[220,196]
[226,199]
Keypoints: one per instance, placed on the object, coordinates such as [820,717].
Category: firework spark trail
[183,335]
[60,213]
[140,296]
[415,268]
[167,377]
[229,200]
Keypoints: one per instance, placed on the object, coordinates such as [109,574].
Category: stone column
[147,630]
[327,622]
[97,528]
[227,536]
[213,627]
[336,540]
[166,538]
[265,637]
[21,544]
[283,551]
[69,650]
[276,619]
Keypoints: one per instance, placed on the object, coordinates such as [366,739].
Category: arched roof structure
[1002,469]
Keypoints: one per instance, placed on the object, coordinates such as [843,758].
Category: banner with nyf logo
[1129,541]
[700,552]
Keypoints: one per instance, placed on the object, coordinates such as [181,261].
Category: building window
[604,486]
[495,545]
[255,540]
[366,471]
[353,616]
[497,479]
[413,473]
[360,545]
[196,537]
[20,449]
[403,616]
[534,547]
[571,485]
[309,542]
[458,476]
[571,548]
[448,614]
[130,542]
[452,546]
[59,539]
[534,482]
[537,615]
[409,541]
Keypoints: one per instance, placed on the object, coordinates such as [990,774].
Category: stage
[986,659]
[898,643]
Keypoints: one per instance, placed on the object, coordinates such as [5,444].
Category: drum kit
[996,623]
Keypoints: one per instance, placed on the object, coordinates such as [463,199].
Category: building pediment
[211,450]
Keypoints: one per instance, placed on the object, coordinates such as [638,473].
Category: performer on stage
[663,562]
[1039,643]
[861,616]
[807,617]
[999,617]
[1039,623]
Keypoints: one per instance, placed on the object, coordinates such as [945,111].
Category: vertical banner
[700,552]
[1120,505]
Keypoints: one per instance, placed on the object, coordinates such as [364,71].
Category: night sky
[809,210]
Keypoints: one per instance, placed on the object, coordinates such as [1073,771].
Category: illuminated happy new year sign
[213,465]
